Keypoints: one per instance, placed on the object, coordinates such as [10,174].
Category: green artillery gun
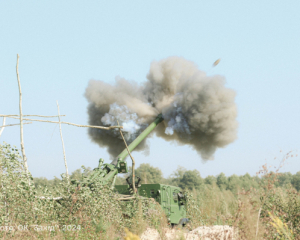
[170,198]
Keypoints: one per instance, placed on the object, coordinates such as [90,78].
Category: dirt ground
[204,233]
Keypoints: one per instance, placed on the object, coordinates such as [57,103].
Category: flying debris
[216,62]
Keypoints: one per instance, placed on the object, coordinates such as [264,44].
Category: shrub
[79,213]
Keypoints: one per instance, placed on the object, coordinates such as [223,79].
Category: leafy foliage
[149,174]
[95,214]
[191,180]
[188,179]
[260,207]
[295,181]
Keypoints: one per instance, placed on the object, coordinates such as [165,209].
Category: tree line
[189,179]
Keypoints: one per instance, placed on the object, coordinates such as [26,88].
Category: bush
[88,214]
[262,207]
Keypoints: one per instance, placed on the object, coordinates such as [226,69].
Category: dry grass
[267,212]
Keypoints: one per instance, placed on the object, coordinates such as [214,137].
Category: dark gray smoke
[198,109]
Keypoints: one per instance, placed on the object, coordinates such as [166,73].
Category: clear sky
[64,44]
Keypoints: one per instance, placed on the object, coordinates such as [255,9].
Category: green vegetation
[80,214]
[266,206]
[190,179]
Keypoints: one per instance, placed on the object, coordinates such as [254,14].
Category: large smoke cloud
[198,110]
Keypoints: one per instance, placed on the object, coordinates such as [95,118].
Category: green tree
[210,180]
[284,179]
[177,175]
[149,174]
[42,181]
[296,181]
[233,183]
[191,180]
[246,181]
[222,181]
[77,174]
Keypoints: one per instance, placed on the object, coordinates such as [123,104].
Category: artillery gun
[170,198]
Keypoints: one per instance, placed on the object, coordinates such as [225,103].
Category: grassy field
[266,211]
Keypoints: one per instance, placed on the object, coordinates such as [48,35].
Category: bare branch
[73,124]
[62,140]
[133,162]
[3,125]
[10,115]
[21,119]
[13,125]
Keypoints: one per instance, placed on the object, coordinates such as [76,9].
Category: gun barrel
[138,140]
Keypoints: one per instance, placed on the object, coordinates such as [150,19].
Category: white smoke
[122,115]
[177,121]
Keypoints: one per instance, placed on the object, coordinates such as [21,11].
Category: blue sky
[64,44]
